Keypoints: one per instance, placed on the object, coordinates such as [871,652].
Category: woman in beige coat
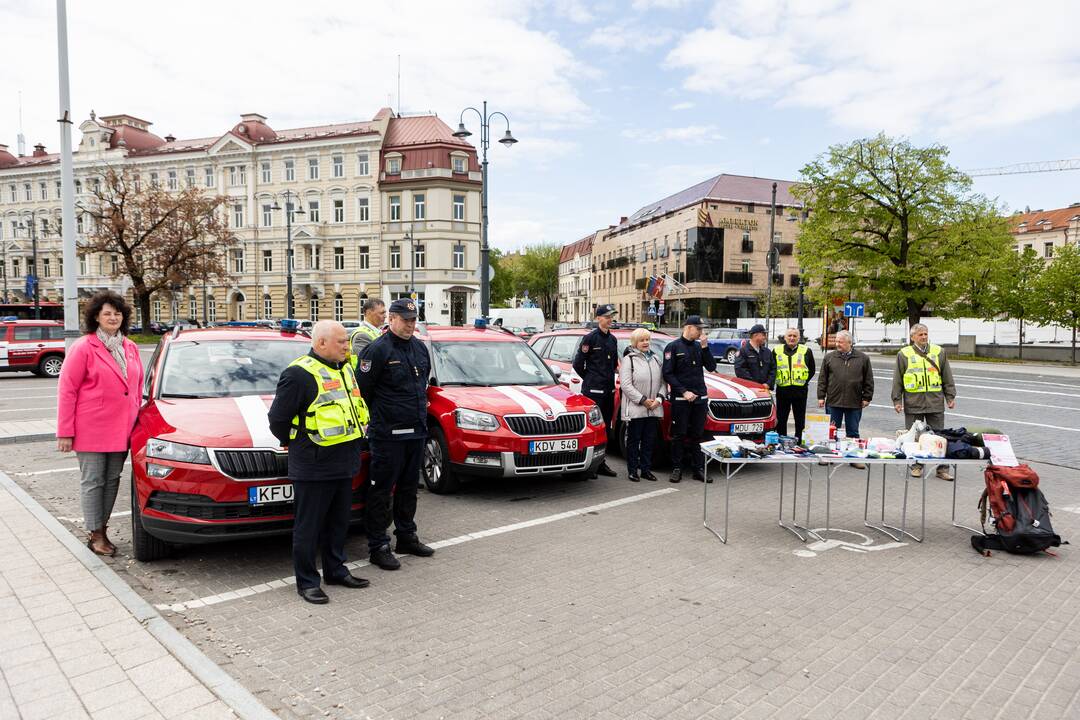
[641,383]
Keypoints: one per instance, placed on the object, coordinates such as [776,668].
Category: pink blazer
[96,405]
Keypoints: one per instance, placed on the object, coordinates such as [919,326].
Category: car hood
[723,387]
[215,422]
[514,399]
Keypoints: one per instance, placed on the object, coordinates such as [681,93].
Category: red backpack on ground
[1018,510]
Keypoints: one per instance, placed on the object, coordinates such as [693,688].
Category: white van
[517,317]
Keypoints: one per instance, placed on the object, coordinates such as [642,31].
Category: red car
[205,466]
[32,346]
[736,406]
[496,410]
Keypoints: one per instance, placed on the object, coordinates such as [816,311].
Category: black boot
[633,476]
[676,475]
[411,545]
[605,470]
[382,557]
[698,475]
[647,474]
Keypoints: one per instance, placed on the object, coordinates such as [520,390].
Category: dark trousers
[322,510]
[391,490]
[687,428]
[791,398]
[848,418]
[606,403]
[640,435]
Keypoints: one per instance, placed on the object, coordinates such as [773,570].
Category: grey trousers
[99,484]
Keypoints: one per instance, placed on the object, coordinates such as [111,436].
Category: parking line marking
[1001,420]
[26,397]
[180,607]
[19,410]
[54,470]
[79,520]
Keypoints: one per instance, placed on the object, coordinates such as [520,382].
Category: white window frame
[337,164]
[238,261]
[209,176]
[395,257]
[419,206]
[419,256]
[172,181]
[395,208]
[459,208]
[267,215]
[211,309]
[316,257]
[267,171]
[363,209]
[290,169]
[339,308]
[459,256]
[339,210]
[339,258]
[268,261]
[393,166]
[238,215]
[363,257]
[313,168]
[268,307]
[363,163]
[189,177]
[314,211]
[462,163]
[43,190]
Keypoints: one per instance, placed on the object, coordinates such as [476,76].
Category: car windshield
[488,364]
[226,368]
[657,345]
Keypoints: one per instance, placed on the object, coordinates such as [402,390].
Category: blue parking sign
[854,309]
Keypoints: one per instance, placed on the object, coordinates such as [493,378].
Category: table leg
[881,526]
[728,474]
[809,498]
[903,512]
[956,481]
[794,495]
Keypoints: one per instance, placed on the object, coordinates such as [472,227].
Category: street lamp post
[485,141]
[771,262]
[33,263]
[4,271]
[801,310]
[412,264]
[288,248]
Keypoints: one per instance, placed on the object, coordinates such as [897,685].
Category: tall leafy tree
[1012,288]
[162,238]
[502,285]
[1058,292]
[538,273]
[895,223]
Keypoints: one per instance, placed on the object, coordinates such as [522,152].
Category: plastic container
[772,438]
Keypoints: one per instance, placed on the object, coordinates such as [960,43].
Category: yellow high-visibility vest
[338,413]
[791,369]
[921,374]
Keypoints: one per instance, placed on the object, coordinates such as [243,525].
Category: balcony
[739,278]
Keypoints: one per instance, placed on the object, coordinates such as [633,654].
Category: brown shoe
[105,535]
[99,545]
[943,473]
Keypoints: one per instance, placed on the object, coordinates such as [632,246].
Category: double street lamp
[289,195]
[485,141]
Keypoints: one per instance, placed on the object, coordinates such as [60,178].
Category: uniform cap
[404,307]
[759,328]
[694,320]
[605,310]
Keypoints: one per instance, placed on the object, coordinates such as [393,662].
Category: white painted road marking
[866,544]
[290,581]
[73,468]
[996,420]
[79,520]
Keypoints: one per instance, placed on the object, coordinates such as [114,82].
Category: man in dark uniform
[318,414]
[685,361]
[596,362]
[393,376]
[756,360]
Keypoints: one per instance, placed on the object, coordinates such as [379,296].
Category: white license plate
[547,446]
[747,428]
[270,493]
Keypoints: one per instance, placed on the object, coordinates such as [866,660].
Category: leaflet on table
[1001,451]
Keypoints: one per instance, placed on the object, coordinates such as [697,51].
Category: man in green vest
[923,386]
[318,414]
[370,328]
[794,368]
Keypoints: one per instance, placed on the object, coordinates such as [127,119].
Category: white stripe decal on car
[556,407]
[527,404]
[253,411]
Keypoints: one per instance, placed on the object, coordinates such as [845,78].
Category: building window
[313,210]
[316,257]
[46,270]
[339,259]
[778,236]
[15,268]
[157,311]
[314,312]
[418,256]
[28,192]
[208,177]
[363,210]
[313,168]
[14,193]
[393,166]
[211,309]
[267,215]
[44,227]
[82,264]
[79,224]
[395,257]
[290,212]
[362,167]
[338,163]
[238,261]
[419,209]
[459,165]
[172,181]
[268,260]
[1048,250]
[364,257]
[339,211]
[746,266]
[459,207]
[154,180]
[290,170]
[58,188]
[237,175]
[114,264]
[189,177]
[339,308]
[193,307]
[459,257]
[44,188]
[238,216]
[268,307]
[292,260]
[266,174]
[395,207]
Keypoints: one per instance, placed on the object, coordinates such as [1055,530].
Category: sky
[614,104]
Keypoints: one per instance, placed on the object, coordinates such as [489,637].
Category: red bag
[1000,481]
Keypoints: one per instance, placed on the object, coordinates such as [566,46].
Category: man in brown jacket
[845,385]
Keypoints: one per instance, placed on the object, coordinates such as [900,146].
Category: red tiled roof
[578,247]
[729,188]
[6,158]
[133,138]
[420,130]
[1044,220]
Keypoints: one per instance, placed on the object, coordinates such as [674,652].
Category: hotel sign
[737,223]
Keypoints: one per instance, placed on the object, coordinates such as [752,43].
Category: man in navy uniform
[756,361]
[596,362]
[685,361]
[393,374]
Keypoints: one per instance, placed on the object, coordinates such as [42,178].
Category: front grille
[575,457]
[201,507]
[565,424]
[253,464]
[735,410]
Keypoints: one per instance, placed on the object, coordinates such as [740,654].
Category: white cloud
[688,134]
[626,36]
[643,5]
[193,70]
[900,67]
[686,105]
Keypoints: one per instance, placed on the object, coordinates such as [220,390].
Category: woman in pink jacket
[98,400]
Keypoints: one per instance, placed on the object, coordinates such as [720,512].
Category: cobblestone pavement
[633,610]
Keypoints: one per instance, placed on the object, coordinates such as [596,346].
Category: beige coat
[640,378]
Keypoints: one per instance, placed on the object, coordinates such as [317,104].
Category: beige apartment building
[575,280]
[1045,230]
[380,208]
[710,241]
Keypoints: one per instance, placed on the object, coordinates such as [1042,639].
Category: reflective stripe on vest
[338,413]
[922,376]
[372,333]
[791,369]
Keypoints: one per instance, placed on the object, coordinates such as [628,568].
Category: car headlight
[476,420]
[178,452]
[595,416]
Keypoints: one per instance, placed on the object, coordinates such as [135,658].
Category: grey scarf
[115,345]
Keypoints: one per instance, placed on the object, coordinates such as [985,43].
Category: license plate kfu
[546,446]
[269,494]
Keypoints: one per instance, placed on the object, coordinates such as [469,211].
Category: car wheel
[50,366]
[438,477]
[623,430]
[730,356]
[147,547]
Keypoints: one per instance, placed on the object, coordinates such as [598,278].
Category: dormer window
[459,164]
[393,166]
